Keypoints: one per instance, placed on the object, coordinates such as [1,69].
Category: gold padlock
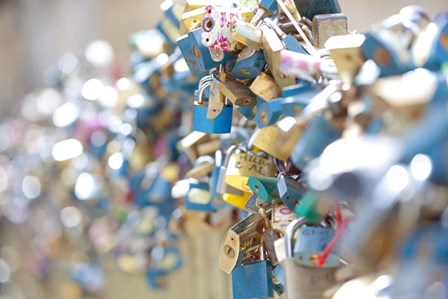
[265,87]
[328,25]
[275,142]
[243,164]
[198,144]
[241,238]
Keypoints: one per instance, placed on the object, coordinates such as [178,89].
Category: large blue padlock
[198,197]
[249,64]
[197,55]
[316,137]
[310,8]
[433,53]
[253,280]
[222,124]
[383,49]
[270,112]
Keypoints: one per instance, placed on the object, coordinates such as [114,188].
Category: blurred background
[34,34]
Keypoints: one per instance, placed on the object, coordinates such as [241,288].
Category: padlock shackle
[291,230]
[202,89]
[230,151]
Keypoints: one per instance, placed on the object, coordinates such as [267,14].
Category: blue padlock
[197,55]
[383,49]
[198,197]
[249,64]
[430,50]
[253,280]
[310,8]
[290,191]
[270,112]
[314,140]
[222,124]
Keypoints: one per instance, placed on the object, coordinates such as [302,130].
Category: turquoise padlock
[222,124]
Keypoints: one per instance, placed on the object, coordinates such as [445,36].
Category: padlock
[272,45]
[385,50]
[347,56]
[289,41]
[302,66]
[270,112]
[197,55]
[273,141]
[243,164]
[269,236]
[248,64]
[328,25]
[265,87]
[250,111]
[430,50]
[247,34]
[252,280]
[303,278]
[198,144]
[310,8]
[264,187]
[241,239]
[290,191]
[313,238]
[199,197]
[236,92]
[219,125]
[216,99]
[236,197]
[310,145]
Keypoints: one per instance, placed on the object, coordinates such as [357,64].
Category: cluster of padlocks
[327,148]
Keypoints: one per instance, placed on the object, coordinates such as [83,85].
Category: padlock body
[252,280]
[222,124]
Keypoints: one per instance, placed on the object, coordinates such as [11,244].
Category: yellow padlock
[237,200]
[244,164]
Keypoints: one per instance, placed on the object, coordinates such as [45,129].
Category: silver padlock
[304,279]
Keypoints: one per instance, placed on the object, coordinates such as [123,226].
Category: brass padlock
[241,238]
[274,142]
[244,164]
[265,87]
[328,25]
[236,92]
[272,45]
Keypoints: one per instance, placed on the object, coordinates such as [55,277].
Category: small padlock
[250,112]
[264,187]
[304,280]
[248,64]
[273,141]
[247,34]
[290,191]
[272,46]
[328,25]
[199,197]
[236,92]
[270,112]
[197,55]
[243,164]
[221,124]
[242,238]
[252,280]
[265,87]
